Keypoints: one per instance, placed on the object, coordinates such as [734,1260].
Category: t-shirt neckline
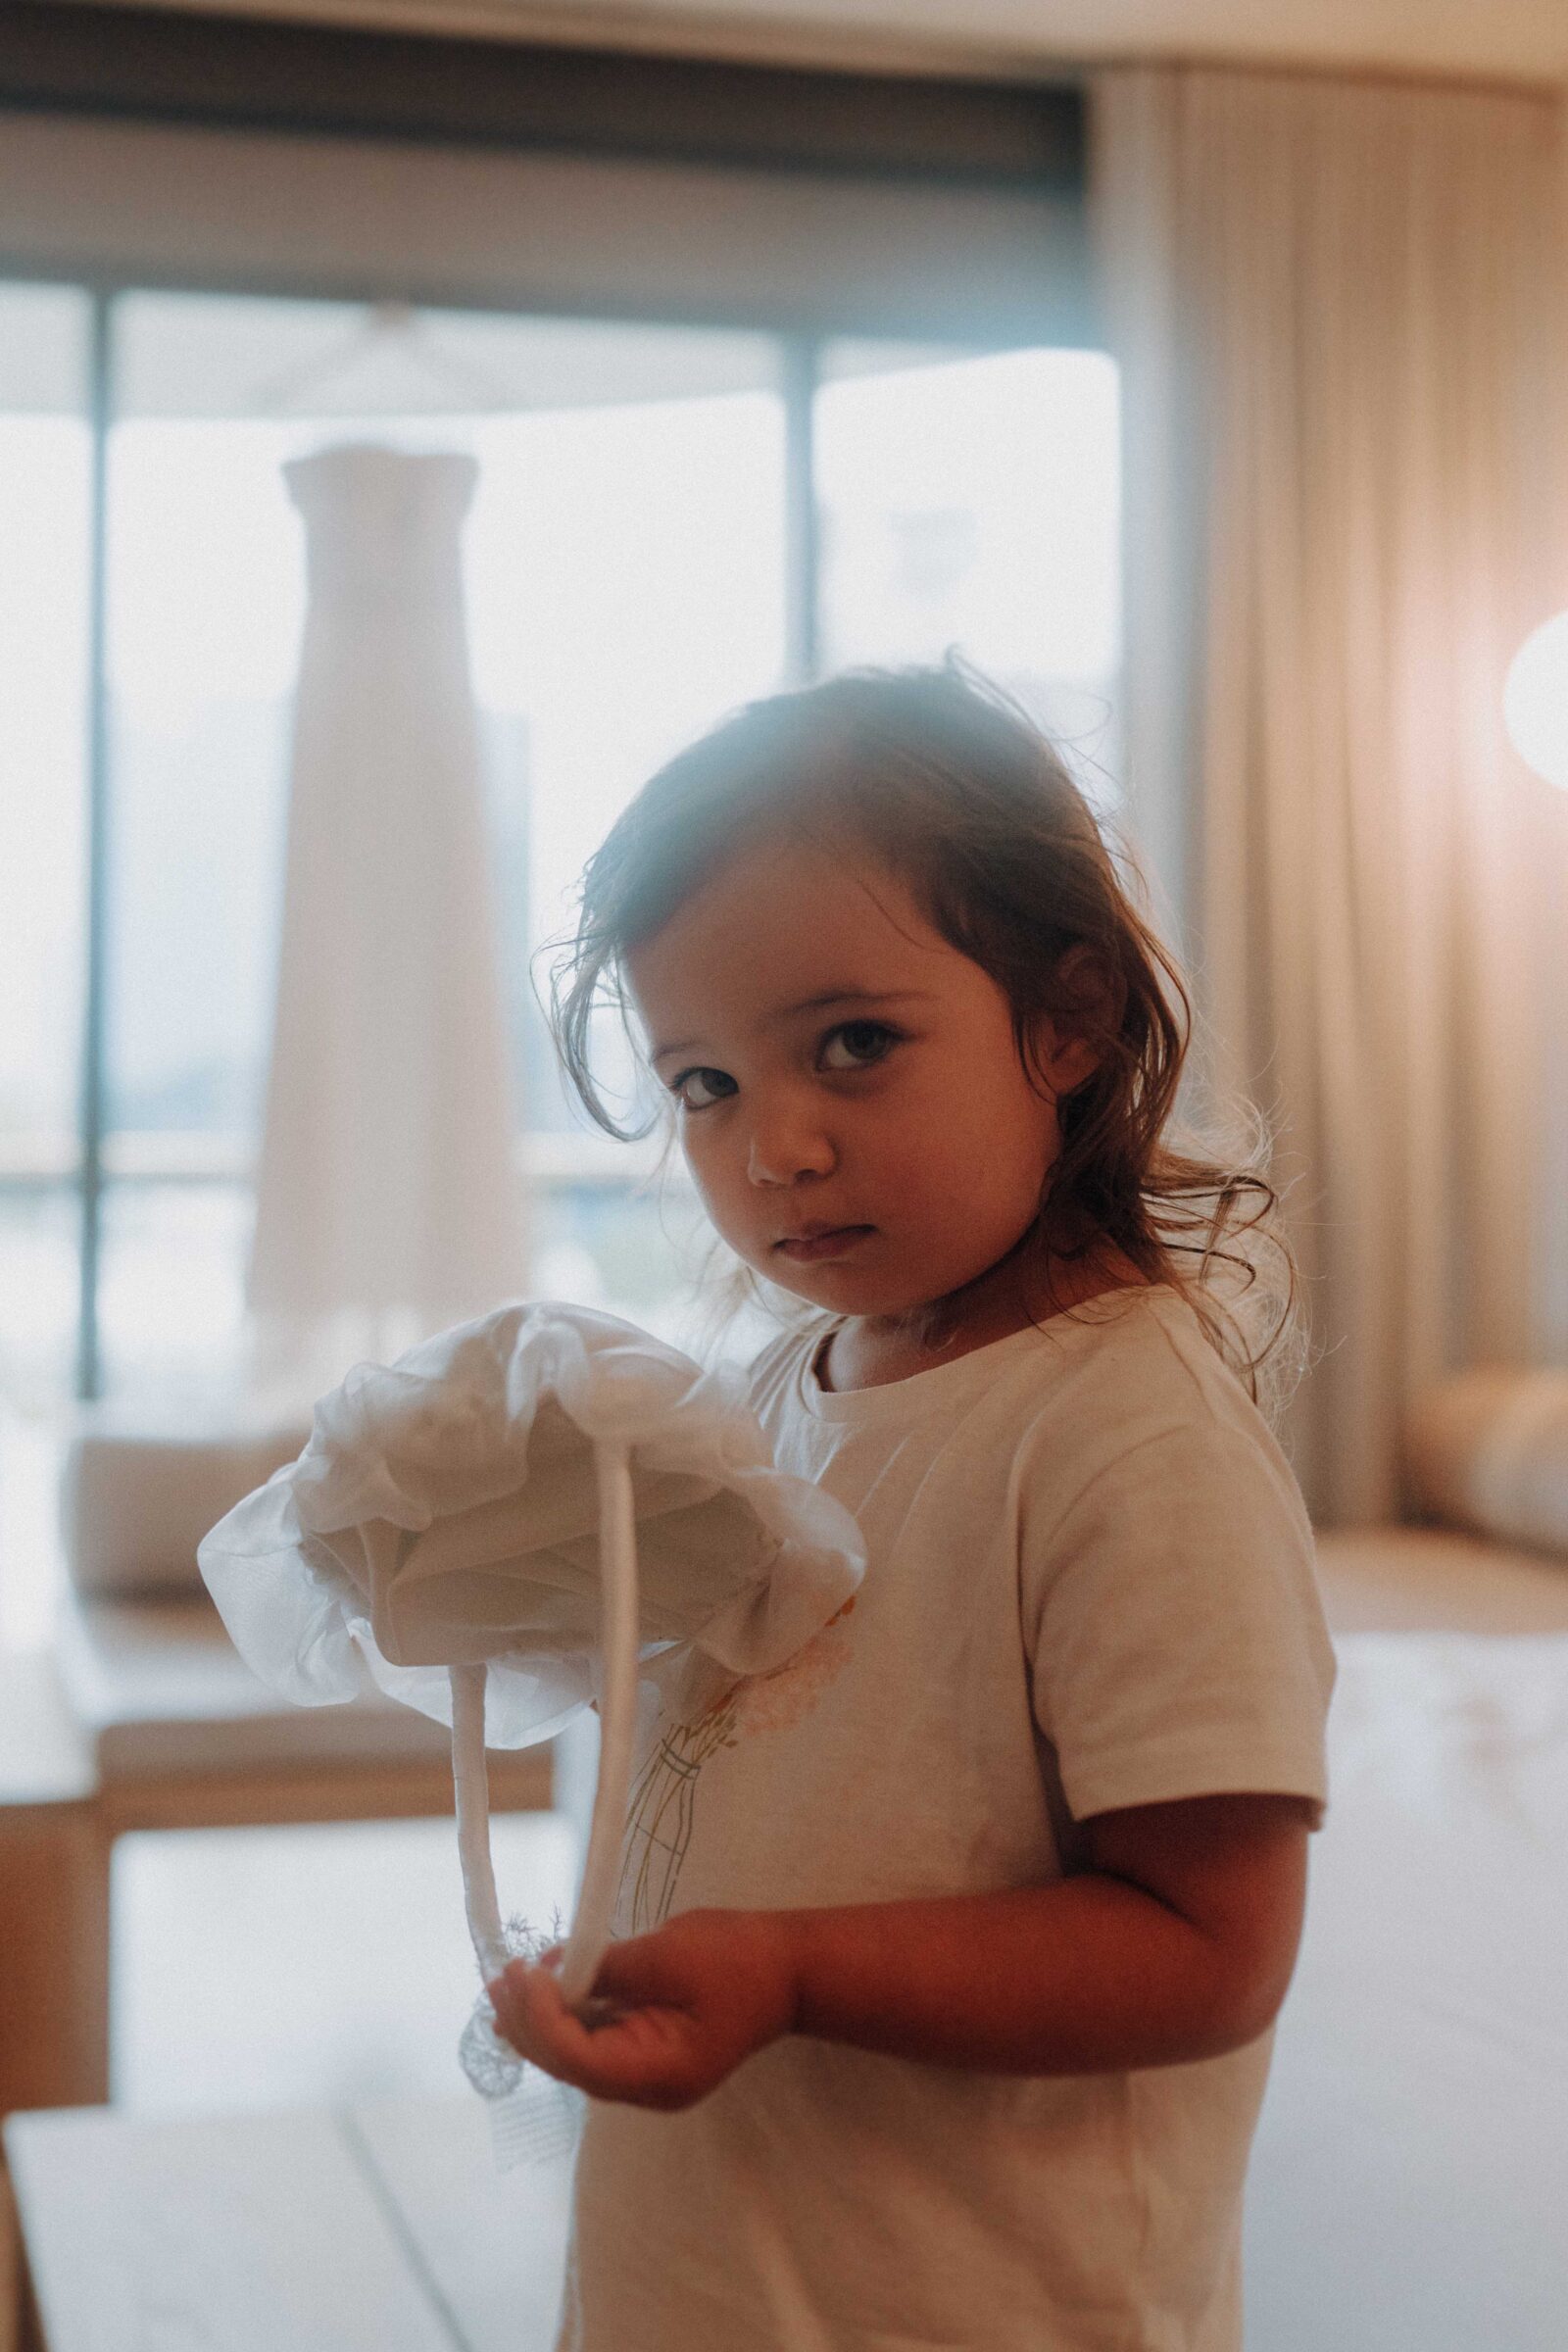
[941,1385]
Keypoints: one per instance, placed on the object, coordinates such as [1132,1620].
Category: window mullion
[91,1178]
[801,548]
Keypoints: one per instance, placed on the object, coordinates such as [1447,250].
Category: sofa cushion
[1487,1449]
[157,1688]
[134,1502]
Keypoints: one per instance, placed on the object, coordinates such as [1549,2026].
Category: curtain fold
[1339,310]
[387,1196]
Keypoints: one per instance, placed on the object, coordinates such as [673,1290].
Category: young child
[948,1955]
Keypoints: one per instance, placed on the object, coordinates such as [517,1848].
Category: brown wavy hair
[955,789]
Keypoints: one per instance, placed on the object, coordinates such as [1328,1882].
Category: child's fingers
[629,2055]
[533,2015]
[592,2008]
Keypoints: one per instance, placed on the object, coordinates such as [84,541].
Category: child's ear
[1073,1062]
[1063,1052]
[1058,1063]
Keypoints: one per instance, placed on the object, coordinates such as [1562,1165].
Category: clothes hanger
[477,387]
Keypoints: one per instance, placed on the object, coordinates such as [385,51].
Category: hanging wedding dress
[388,1198]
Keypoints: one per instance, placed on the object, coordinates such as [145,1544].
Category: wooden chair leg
[54,1956]
[20,2329]
[10,2268]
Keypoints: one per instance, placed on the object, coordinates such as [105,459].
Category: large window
[635,564]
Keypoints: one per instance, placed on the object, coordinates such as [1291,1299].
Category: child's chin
[821,1284]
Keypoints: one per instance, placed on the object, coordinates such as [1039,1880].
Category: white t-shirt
[1090,1585]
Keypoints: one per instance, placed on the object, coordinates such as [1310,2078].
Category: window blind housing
[156,148]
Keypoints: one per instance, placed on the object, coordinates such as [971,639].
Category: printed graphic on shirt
[659,1825]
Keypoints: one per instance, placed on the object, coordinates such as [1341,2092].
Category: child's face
[840,1065]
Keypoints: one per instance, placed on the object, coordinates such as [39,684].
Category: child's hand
[670,2015]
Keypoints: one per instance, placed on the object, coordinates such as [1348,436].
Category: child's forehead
[777,932]
[787,904]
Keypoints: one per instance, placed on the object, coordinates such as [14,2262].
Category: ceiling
[1474,39]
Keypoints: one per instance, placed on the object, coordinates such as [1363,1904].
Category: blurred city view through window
[626,570]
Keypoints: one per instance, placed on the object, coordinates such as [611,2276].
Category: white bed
[1409,2187]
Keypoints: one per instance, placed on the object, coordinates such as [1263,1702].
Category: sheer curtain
[388,1198]
[1338,307]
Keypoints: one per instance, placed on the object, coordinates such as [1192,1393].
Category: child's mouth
[836,1244]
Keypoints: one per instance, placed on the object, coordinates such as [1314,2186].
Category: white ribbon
[590,1935]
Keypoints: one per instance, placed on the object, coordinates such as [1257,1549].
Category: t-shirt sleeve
[1176,1640]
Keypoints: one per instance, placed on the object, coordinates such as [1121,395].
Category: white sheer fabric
[387,1199]
[1337,307]
[445,1512]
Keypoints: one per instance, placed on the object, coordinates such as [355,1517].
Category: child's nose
[784,1147]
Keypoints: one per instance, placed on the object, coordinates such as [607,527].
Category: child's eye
[866,1042]
[678,1086]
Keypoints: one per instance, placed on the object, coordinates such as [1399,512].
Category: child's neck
[870,1350]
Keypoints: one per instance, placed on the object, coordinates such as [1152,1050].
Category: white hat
[499,1526]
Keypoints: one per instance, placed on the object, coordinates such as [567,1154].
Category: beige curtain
[1338,307]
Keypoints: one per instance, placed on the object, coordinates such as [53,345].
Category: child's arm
[1176,1942]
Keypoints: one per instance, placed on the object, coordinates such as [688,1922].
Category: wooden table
[54,1898]
[382,2228]
[153,1757]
